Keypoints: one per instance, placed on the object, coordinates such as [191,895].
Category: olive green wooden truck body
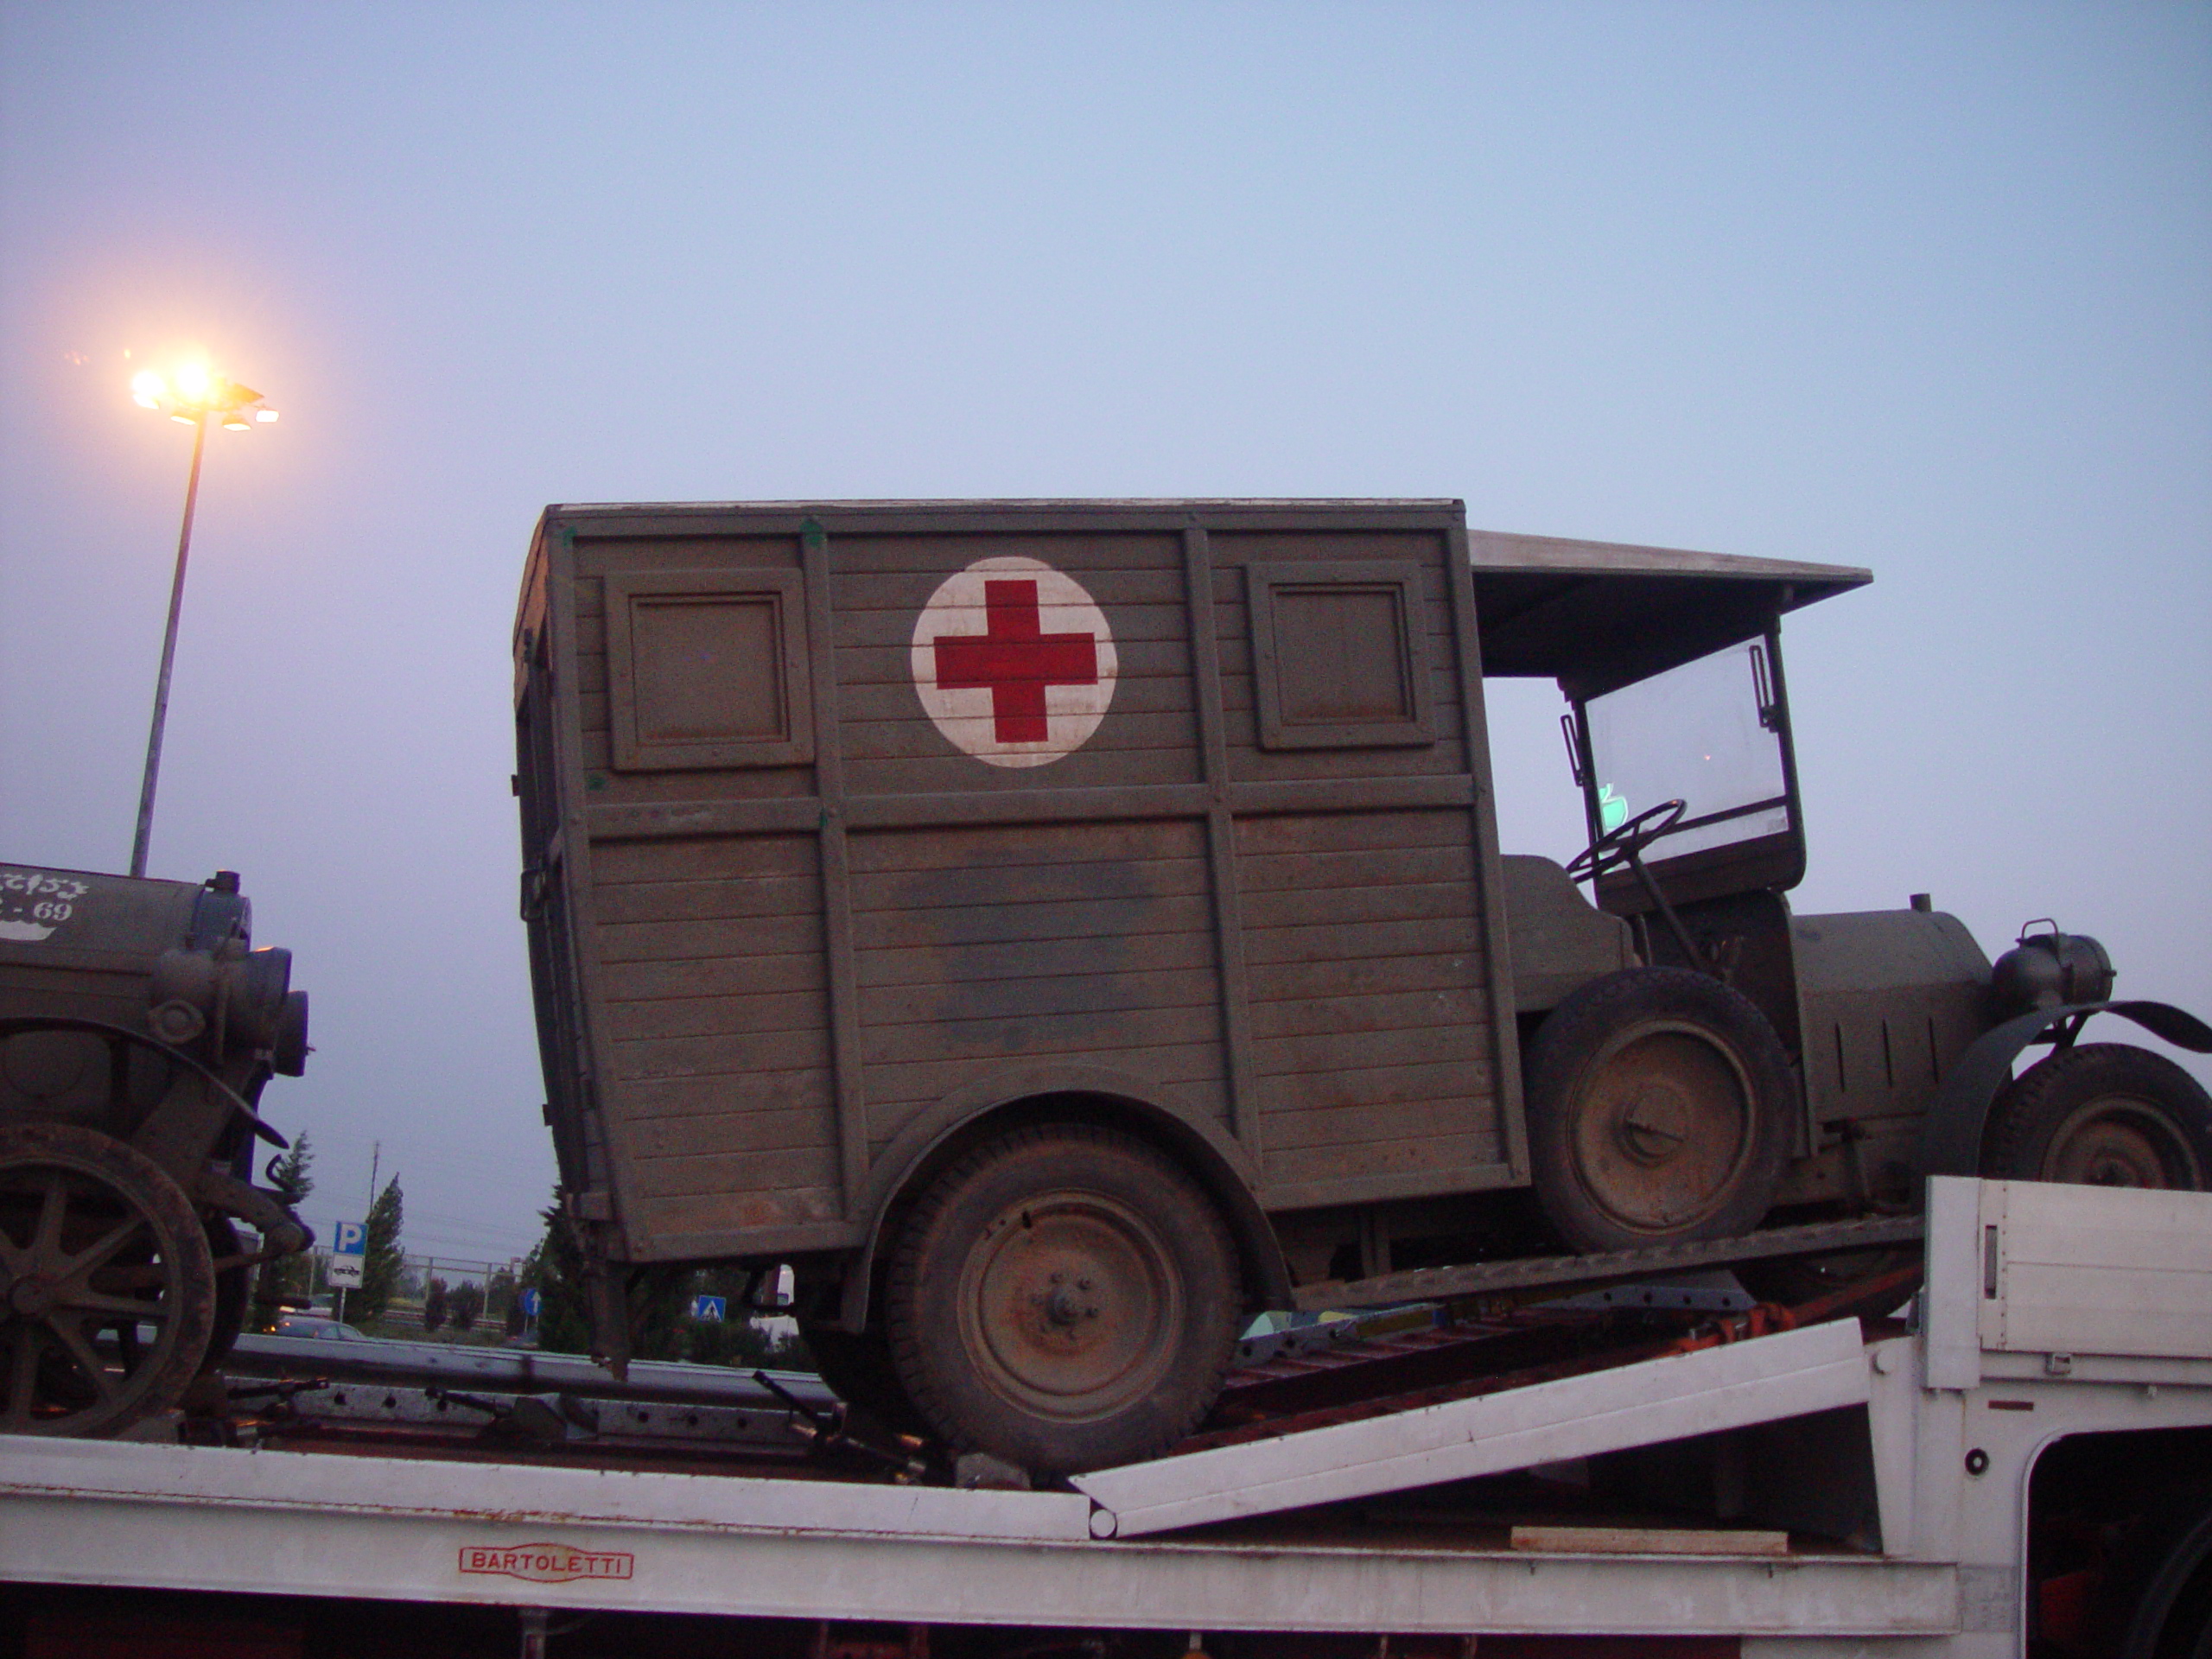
[1051,926]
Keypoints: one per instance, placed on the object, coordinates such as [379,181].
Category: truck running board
[1481,1279]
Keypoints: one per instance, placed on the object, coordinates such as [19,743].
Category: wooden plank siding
[788,965]
[1028,941]
[1327,898]
[718,1070]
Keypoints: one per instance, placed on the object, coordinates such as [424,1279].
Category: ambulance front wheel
[1659,1104]
[1064,1297]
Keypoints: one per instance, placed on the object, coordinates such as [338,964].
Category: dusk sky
[1921,286]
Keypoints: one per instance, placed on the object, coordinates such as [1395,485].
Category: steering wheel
[1620,844]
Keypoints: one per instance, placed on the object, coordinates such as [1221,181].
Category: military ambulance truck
[1058,929]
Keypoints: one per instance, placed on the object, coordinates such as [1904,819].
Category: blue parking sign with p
[349,1249]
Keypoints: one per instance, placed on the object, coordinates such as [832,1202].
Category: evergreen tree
[288,1172]
[554,1269]
[290,1278]
[658,1297]
[381,1263]
[435,1306]
[466,1302]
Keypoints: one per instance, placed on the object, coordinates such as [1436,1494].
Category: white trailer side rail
[2049,1312]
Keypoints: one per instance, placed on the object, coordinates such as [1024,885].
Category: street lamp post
[191,396]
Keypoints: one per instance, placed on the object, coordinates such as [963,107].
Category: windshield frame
[1771,862]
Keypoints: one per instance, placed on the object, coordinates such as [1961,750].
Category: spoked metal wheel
[107,1291]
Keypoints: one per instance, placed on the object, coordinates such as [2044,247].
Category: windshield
[1708,734]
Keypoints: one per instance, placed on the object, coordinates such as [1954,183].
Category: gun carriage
[138,1026]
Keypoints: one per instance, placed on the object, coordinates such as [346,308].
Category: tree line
[660,1298]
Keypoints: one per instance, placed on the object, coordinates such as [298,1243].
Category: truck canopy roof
[1594,615]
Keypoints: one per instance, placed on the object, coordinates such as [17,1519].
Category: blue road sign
[349,1250]
[710,1307]
[530,1302]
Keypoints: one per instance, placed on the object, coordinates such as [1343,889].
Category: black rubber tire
[90,1221]
[234,1295]
[2163,1598]
[1659,1111]
[1064,1297]
[2102,1115]
[858,1369]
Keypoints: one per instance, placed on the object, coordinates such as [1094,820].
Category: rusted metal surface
[1382,1368]
[138,1028]
[1506,1278]
[502,1370]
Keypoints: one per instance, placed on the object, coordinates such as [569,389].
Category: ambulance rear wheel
[1659,1104]
[1064,1298]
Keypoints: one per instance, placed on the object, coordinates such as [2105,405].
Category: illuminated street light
[190,394]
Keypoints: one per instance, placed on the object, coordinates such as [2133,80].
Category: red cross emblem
[1014,661]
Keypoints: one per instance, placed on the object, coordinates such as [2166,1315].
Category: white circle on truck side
[1014,661]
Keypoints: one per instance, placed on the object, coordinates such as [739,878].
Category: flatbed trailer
[2024,1466]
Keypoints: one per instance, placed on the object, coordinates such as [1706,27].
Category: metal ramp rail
[1792,1374]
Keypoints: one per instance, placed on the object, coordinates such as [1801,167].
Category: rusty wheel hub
[1654,1125]
[1070,1305]
[1664,1127]
[32,1295]
[2116,1142]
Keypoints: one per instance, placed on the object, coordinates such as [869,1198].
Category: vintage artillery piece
[1055,928]
[138,1026]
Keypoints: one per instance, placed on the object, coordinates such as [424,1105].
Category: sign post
[349,1250]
